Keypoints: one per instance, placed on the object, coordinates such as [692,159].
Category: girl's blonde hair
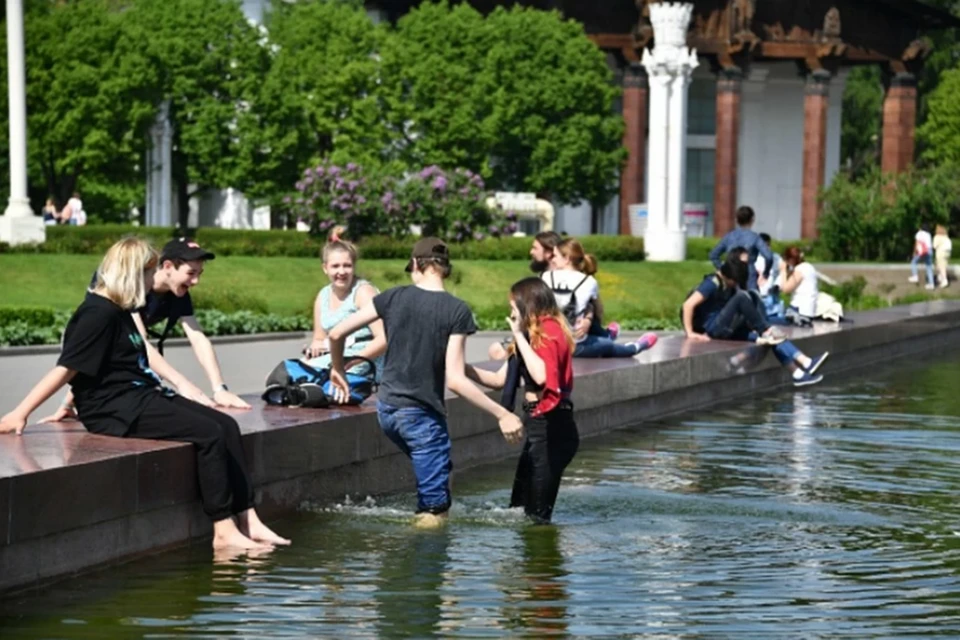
[336,242]
[572,250]
[120,276]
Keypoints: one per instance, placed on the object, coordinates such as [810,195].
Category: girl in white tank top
[800,280]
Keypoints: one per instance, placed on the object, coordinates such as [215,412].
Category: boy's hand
[512,428]
[230,400]
[341,390]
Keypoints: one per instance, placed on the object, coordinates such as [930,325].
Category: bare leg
[253,527]
[226,535]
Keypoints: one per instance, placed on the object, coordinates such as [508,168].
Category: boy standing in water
[427,330]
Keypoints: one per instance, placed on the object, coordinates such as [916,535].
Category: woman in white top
[73,213]
[578,296]
[800,280]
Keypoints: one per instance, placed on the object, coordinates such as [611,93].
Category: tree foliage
[520,96]
[940,134]
[88,104]
[210,62]
[319,98]
[862,117]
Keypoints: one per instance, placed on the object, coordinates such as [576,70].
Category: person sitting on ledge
[720,308]
[342,297]
[168,301]
[541,256]
[105,361]
[578,297]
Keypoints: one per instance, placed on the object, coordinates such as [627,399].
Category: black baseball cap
[428,248]
[184,249]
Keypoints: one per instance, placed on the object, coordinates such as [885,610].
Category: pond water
[826,513]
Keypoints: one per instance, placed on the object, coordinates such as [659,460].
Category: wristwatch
[222,387]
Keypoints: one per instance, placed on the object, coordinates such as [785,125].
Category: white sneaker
[928,287]
[771,338]
[913,279]
[944,284]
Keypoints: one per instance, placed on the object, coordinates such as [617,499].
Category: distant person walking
[942,247]
[73,213]
[744,236]
[922,252]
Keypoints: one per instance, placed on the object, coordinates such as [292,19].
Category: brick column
[727,154]
[899,123]
[814,149]
[634,140]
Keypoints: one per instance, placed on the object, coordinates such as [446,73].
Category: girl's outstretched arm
[16,420]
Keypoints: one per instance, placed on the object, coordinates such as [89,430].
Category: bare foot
[429,520]
[253,527]
[234,540]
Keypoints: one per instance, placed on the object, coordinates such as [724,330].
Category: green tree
[88,106]
[319,99]
[862,117]
[210,63]
[940,134]
[521,96]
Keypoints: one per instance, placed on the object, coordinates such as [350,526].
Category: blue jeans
[423,437]
[927,261]
[600,347]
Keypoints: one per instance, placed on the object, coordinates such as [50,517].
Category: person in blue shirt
[721,309]
[744,236]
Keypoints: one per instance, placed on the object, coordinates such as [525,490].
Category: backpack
[569,310]
[294,383]
[720,284]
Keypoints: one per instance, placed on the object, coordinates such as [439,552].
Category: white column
[657,153]
[159,171]
[18,224]
[669,67]
[678,152]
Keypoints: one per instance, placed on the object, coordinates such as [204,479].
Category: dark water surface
[827,513]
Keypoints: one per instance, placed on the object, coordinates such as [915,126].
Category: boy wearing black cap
[181,265]
[426,329]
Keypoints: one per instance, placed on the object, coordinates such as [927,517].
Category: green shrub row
[38,325]
[227,242]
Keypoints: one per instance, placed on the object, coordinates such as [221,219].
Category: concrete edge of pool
[71,501]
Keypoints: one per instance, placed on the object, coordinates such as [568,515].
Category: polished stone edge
[50,529]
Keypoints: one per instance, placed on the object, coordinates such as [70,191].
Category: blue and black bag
[294,383]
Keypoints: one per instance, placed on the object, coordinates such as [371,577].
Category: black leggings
[225,485]
[552,441]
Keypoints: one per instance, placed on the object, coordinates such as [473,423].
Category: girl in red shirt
[542,361]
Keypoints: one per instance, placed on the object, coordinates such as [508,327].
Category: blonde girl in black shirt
[105,362]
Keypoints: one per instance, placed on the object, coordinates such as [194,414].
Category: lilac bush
[449,204]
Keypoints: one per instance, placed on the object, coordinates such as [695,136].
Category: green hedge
[96,239]
[21,326]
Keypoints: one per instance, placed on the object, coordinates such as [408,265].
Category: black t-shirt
[160,307]
[715,297]
[418,324]
[114,381]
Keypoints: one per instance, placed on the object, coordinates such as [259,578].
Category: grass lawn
[288,285]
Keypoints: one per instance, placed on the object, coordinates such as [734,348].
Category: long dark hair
[536,301]
[735,269]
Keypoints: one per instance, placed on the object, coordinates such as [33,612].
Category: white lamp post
[18,225]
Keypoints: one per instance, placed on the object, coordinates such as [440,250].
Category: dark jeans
[225,485]
[741,315]
[552,442]
[597,347]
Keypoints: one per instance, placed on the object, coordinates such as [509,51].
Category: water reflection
[536,606]
[409,597]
